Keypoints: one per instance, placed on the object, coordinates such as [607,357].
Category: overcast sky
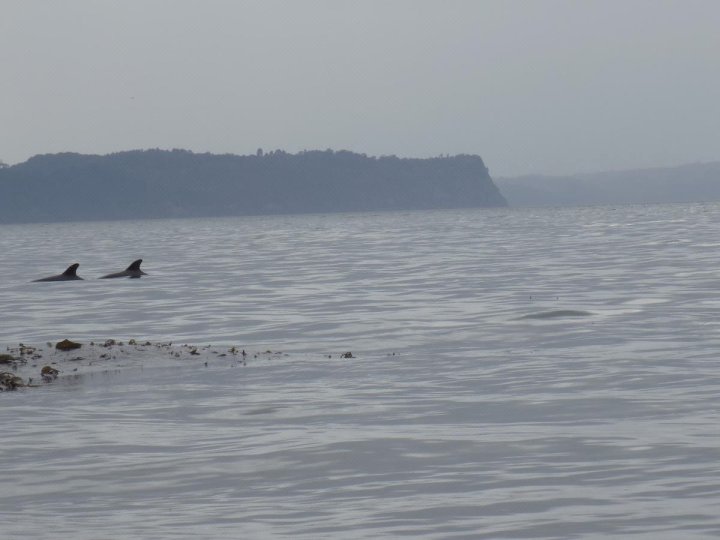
[533,86]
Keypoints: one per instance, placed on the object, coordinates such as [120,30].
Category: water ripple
[475,406]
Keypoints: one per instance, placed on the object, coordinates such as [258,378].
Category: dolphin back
[68,275]
[132,271]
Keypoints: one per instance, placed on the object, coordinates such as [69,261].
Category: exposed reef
[24,366]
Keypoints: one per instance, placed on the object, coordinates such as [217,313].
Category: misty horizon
[551,87]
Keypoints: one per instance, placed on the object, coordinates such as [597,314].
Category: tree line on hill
[178,183]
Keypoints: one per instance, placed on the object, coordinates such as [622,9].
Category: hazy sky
[549,86]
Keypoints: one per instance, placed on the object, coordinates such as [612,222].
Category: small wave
[557,313]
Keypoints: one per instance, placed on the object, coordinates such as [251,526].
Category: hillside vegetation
[179,183]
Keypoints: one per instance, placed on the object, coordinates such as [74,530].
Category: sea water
[516,373]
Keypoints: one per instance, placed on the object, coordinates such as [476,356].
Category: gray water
[530,373]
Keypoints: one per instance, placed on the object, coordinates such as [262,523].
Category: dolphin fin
[71,270]
[135,266]
[68,275]
[132,271]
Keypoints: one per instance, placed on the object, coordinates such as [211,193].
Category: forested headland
[178,183]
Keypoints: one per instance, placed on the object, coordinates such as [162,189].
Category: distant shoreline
[697,182]
[150,184]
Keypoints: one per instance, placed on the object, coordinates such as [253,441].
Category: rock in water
[7,359]
[49,373]
[67,345]
[10,381]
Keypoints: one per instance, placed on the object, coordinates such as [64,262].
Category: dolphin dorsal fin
[71,270]
[134,266]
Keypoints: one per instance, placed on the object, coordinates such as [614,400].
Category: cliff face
[161,184]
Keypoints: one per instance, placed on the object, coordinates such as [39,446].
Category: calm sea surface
[532,373]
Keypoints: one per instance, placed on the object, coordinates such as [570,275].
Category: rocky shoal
[27,366]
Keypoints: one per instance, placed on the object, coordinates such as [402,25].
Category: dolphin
[132,271]
[67,275]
